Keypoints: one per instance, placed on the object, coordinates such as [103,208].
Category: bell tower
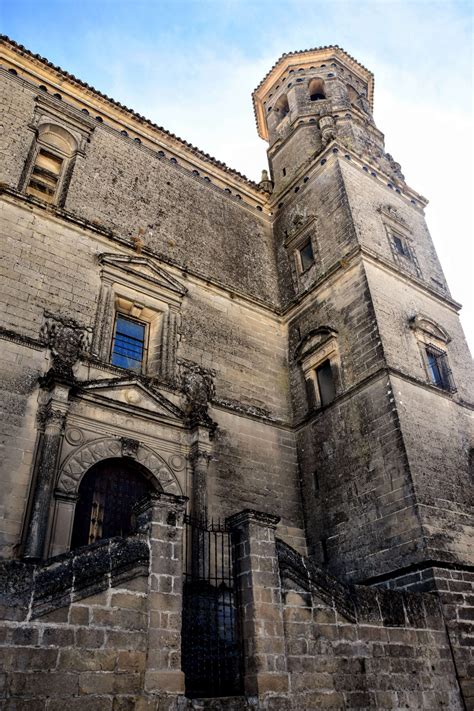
[379,367]
[304,104]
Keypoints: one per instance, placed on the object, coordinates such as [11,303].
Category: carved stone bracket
[328,129]
[129,447]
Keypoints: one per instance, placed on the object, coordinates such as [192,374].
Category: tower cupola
[307,100]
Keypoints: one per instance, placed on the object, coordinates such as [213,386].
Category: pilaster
[51,419]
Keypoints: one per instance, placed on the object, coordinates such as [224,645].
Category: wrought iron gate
[211,658]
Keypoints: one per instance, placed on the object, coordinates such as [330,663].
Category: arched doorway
[107,494]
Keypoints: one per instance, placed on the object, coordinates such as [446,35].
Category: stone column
[163,675]
[200,458]
[52,417]
[260,603]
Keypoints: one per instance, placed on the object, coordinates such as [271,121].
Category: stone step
[223,703]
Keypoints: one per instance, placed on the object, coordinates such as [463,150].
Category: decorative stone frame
[428,334]
[80,461]
[136,286]
[316,347]
[65,124]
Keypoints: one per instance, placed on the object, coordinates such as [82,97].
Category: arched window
[282,106]
[353,95]
[316,90]
[107,494]
[53,151]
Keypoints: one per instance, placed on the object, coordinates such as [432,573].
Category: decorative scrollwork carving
[66,340]
[129,447]
[84,457]
[198,386]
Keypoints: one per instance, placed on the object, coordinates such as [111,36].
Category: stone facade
[302,375]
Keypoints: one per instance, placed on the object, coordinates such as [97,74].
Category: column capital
[246,516]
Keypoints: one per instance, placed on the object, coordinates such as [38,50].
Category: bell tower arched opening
[316,90]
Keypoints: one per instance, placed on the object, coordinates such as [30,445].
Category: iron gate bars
[211,658]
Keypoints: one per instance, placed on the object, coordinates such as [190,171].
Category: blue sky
[191,67]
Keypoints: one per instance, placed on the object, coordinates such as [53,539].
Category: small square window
[438,369]
[128,347]
[306,256]
[325,380]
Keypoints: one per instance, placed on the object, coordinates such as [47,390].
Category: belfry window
[316,90]
[282,107]
[129,343]
[107,494]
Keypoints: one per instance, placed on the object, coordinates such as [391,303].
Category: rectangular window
[306,256]
[401,246]
[45,175]
[128,347]
[324,376]
[438,369]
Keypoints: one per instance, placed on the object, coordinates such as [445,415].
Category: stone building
[237,463]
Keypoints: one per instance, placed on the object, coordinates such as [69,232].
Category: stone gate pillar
[260,606]
[165,513]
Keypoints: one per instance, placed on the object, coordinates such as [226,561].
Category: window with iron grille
[129,343]
[438,369]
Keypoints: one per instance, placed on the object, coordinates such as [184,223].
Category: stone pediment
[141,267]
[314,340]
[130,394]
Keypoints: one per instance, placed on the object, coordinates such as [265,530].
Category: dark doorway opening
[107,494]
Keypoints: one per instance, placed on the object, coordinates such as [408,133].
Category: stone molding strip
[357,603]
[32,590]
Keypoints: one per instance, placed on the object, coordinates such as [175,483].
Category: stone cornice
[336,150]
[383,371]
[37,70]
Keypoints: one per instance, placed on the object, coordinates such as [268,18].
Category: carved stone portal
[83,458]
